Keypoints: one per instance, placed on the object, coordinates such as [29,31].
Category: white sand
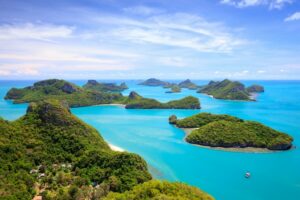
[115,148]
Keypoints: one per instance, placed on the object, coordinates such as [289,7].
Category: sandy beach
[115,148]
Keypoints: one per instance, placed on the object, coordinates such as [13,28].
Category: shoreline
[187,131]
[115,148]
[113,104]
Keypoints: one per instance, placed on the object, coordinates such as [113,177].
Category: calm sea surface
[275,176]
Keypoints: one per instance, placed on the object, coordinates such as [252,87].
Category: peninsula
[51,154]
[231,132]
[77,96]
[230,90]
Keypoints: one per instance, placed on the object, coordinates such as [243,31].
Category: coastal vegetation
[174,89]
[161,190]
[136,101]
[231,90]
[91,94]
[51,153]
[105,87]
[228,131]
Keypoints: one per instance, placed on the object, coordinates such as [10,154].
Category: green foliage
[161,190]
[93,93]
[226,89]
[62,90]
[105,87]
[136,101]
[154,82]
[188,84]
[174,89]
[228,131]
[255,88]
[202,119]
[53,149]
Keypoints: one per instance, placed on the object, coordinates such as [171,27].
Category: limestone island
[175,88]
[230,132]
[188,84]
[230,90]
[105,87]
[154,82]
[51,154]
[77,96]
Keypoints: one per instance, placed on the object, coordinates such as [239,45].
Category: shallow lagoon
[275,176]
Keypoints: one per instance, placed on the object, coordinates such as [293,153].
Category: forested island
[52,154]
[175,88]
[92,94]
[230,90]
[231,132]
[105,87]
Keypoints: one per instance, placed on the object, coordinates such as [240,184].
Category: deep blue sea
[275,176]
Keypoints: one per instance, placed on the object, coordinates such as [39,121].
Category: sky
[138,39]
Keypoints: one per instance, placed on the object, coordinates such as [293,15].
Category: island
[188,84]
[105,87]
[135,101]
[51,154]
[77,96]
[227,131]
[255,89]
[154,82]
[229,90]
[174,89]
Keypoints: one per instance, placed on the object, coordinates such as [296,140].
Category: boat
[247,175]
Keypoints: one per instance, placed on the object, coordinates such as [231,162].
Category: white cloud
[293,17]
[44,32]
[272,4]
[261,71]
[179,30]
[5,72]
[142,10]
[172,61]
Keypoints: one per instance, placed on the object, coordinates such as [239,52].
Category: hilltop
[154,82]
[228,131]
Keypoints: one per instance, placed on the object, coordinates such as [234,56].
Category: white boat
[247,175]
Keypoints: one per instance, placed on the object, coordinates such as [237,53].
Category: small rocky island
[105,87]
[188,84]
[230,90]
[51,154]
[226,131]
[174,89]
[89,95]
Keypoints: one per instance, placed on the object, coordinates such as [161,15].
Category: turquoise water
[275,176]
